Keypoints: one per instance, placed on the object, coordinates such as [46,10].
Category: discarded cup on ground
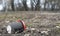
[18,27]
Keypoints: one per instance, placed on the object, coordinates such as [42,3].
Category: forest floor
[38,23]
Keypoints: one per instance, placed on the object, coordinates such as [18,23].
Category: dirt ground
[38,23]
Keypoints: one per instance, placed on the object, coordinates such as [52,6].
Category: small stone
[7,21]
[46,32]
[13,17]
[57,26]
[33,29]
[26,34]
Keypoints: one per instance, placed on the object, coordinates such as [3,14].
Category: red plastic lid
[22,23]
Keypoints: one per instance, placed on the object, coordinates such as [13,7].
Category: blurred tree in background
[32,5]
